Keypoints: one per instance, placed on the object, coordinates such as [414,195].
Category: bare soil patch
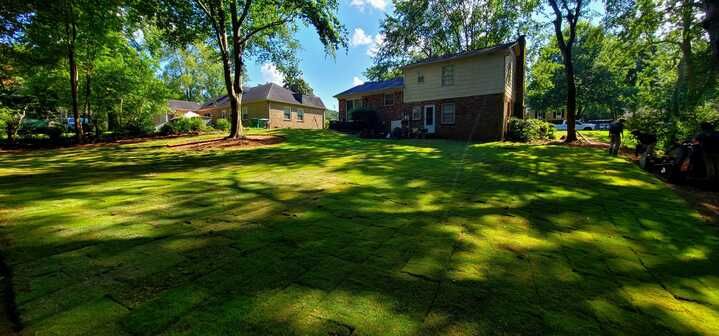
[246,142]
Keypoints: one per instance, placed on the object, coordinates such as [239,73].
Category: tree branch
[261,28]
[245,11]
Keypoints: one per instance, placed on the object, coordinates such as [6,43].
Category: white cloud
[363,4]
[269,73]
[376,44]
[357,81]
[359,37]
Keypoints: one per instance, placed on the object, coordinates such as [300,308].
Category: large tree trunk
[711,25]
[571,96]
[236,130]
[565,46]
[71,31]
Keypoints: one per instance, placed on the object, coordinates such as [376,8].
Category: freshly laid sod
[326,234]
[628,139]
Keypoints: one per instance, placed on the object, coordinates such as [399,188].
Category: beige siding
[473,76]
[314,118]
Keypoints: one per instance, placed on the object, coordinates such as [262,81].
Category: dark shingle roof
[463,54]
[182,105]
[271,92]
[395,83]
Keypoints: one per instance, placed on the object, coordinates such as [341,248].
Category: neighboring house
[176,109]
[469,95]
[274,105]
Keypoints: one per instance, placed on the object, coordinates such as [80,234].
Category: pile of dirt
[246,142]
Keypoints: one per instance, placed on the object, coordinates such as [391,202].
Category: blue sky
[329,76]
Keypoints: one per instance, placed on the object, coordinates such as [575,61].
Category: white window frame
[286,113]
[300,114]
[417,113]
[391,96]
[448,75]
[454,114]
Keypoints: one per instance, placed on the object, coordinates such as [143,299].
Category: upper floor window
[388,99]
[287,114]
[420,77]
[448,75]
[300,114]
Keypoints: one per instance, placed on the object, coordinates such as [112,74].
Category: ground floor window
[417,113]
[287,114]
[300,114]
[448,113]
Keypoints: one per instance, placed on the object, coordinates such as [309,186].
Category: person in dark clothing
[645,146]
[616,129]
[707,135]
[645,142]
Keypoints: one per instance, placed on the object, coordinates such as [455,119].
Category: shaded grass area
[327,234]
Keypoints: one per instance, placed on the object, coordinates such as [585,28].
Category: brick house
[469,95]
[271,104]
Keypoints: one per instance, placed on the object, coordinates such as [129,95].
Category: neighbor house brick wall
[342,108]
[476,118]
[375,102]
[313,118]
[385,113]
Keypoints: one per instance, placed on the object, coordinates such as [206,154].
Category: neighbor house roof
[395,83]
[182,105]
[271,92]
[461,55]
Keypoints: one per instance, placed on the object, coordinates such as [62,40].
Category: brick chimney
[521,51]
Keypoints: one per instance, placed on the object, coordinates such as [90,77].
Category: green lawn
[331,235]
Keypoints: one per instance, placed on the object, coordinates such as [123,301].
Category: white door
[429,118]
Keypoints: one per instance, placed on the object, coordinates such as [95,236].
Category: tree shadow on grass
[328,234]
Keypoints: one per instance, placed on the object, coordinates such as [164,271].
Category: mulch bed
[246,142]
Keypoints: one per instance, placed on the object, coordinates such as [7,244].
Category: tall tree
[247,27]
[604,75]
[194,72]
[294,81]
[71,31]
[711,24]
[568,14]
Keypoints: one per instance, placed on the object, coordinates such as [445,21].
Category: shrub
[54,133]
[168,129]
[183,126]
[221,124]
[525,130]
[137,128]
